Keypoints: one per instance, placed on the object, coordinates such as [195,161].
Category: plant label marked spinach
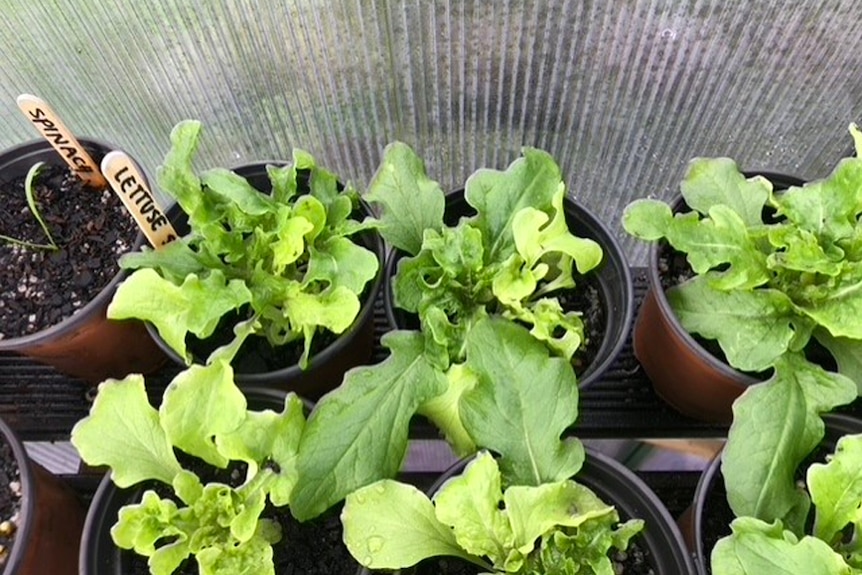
[126,181]
[60,137]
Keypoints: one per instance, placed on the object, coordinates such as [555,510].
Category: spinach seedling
[205,415]
[832,545]
[766,288]
[286,257]
[498,272]
[30,194]
[560,527]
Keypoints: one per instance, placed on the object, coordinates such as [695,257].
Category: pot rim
[677,203]
[101,300]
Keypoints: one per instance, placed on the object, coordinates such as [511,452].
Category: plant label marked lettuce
[126,181]
[475,287]
[61,138]
[764,289]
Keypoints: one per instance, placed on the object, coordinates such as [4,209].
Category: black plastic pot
[710,498]
[618,486]
[50,521]
[86,345]
[683,373]
[98,553]
[611,279]
[326,368]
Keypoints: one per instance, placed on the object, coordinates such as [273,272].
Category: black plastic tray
[41,404]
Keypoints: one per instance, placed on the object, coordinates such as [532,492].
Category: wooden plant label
[59,136]
[127,182]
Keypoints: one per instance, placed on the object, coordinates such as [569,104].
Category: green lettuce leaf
[753,328]
[529,182]
[410,201]
[199,404]
[371,412]
[757,548]
[470,505]
[522,402]
[123,432]
[762,451]
[193,307]
[711,182]
[836,490]
[271,439]
[390,525]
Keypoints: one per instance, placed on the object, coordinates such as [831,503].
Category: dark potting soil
[256,355]
[10,500]
[311,548]
[41,287]
[634,561]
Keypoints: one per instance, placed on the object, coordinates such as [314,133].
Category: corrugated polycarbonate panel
[622,93]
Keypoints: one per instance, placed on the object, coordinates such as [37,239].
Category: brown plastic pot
[710,498]
[618,486]
[682,372]
[86,345]
[326,368]
[50,522]
[611,280]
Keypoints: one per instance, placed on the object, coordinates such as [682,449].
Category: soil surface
[41,287]
[10,500]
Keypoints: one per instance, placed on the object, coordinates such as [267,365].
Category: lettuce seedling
[560,527]
[205,415]
[486,293]
[765,286]
[287,257]
[831,546]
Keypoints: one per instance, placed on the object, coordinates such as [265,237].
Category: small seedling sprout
[29,192]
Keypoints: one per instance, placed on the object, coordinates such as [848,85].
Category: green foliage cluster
[287,256]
